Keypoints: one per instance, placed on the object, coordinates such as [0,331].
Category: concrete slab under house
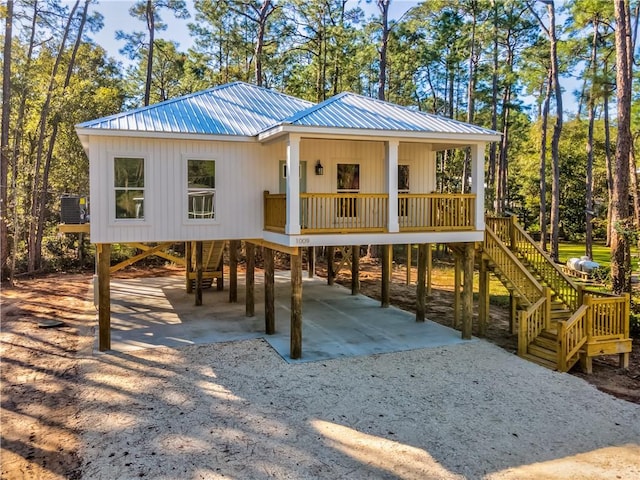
[241,163]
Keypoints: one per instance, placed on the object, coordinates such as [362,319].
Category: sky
[116,17]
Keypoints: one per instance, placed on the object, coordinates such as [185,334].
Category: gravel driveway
[237,410]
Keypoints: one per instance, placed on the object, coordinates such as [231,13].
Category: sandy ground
[237,410]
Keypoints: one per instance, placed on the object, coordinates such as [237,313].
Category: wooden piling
[234,245]
[296,306]
[311,261]
[386,275]
[269,292]
[456,290]
[483,299]
[355,269]
[408,280]
[330,272]
[421,290]
[467,290]
[250,302]
[220,279]
[103,251]
[429,267]
[198,300]
[188,266]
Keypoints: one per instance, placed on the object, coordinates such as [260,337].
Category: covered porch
[371,184]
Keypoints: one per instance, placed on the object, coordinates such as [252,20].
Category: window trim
[148,196]
[185,191]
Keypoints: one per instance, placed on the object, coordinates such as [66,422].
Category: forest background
[499,64]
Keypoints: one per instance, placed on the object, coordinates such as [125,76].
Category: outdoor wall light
[319,168]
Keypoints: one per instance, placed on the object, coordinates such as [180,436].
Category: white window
[129,187]
[201,189]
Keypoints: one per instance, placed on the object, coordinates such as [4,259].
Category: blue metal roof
[232,109]
[241,109]
[348,110]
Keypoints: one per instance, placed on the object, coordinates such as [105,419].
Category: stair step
[550,334]
[561,314]
[540,361]
[542,352]
[547,343]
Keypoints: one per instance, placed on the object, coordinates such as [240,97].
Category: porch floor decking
[157,312]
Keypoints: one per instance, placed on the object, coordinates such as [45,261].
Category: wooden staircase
[559,323]
[212,252]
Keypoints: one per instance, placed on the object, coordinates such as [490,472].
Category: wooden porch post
[386,274]
[103,251]
[421,291]
[330,272]
[467,291]
[189,266]
[250,304]
[296,306]
[483,299]
[233,270]
[311,261]
[355,269]
[269,292]
[456,290]
[199,273]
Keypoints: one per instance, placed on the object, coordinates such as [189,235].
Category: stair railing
[539,260]
[533,320]
[572,335]
[506,262]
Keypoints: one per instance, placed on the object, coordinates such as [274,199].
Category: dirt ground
[40,366]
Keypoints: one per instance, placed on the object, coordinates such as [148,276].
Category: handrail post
[523,339]
[547,307]
[588,302]
[627,316]
[512,233]
[562,347]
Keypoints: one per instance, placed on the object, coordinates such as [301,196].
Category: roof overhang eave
[359,134]
[87,132]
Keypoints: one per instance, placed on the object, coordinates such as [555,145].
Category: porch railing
[368,212]
[434,212]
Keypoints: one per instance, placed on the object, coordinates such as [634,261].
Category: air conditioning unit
[74,209]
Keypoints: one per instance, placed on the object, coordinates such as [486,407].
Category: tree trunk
[471,89]
[589,177]
[383,5]
[620,235]
[34,253]
[54,131]
[608,160]
[151,26]
[543,165]
[493,148]
[4,141]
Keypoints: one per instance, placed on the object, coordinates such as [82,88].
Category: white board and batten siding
[370,155]
[244,170]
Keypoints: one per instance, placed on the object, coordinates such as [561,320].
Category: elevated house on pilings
[244,163]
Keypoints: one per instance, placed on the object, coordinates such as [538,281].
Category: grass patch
[601,253]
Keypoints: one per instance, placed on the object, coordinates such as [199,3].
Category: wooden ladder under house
[559,323]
